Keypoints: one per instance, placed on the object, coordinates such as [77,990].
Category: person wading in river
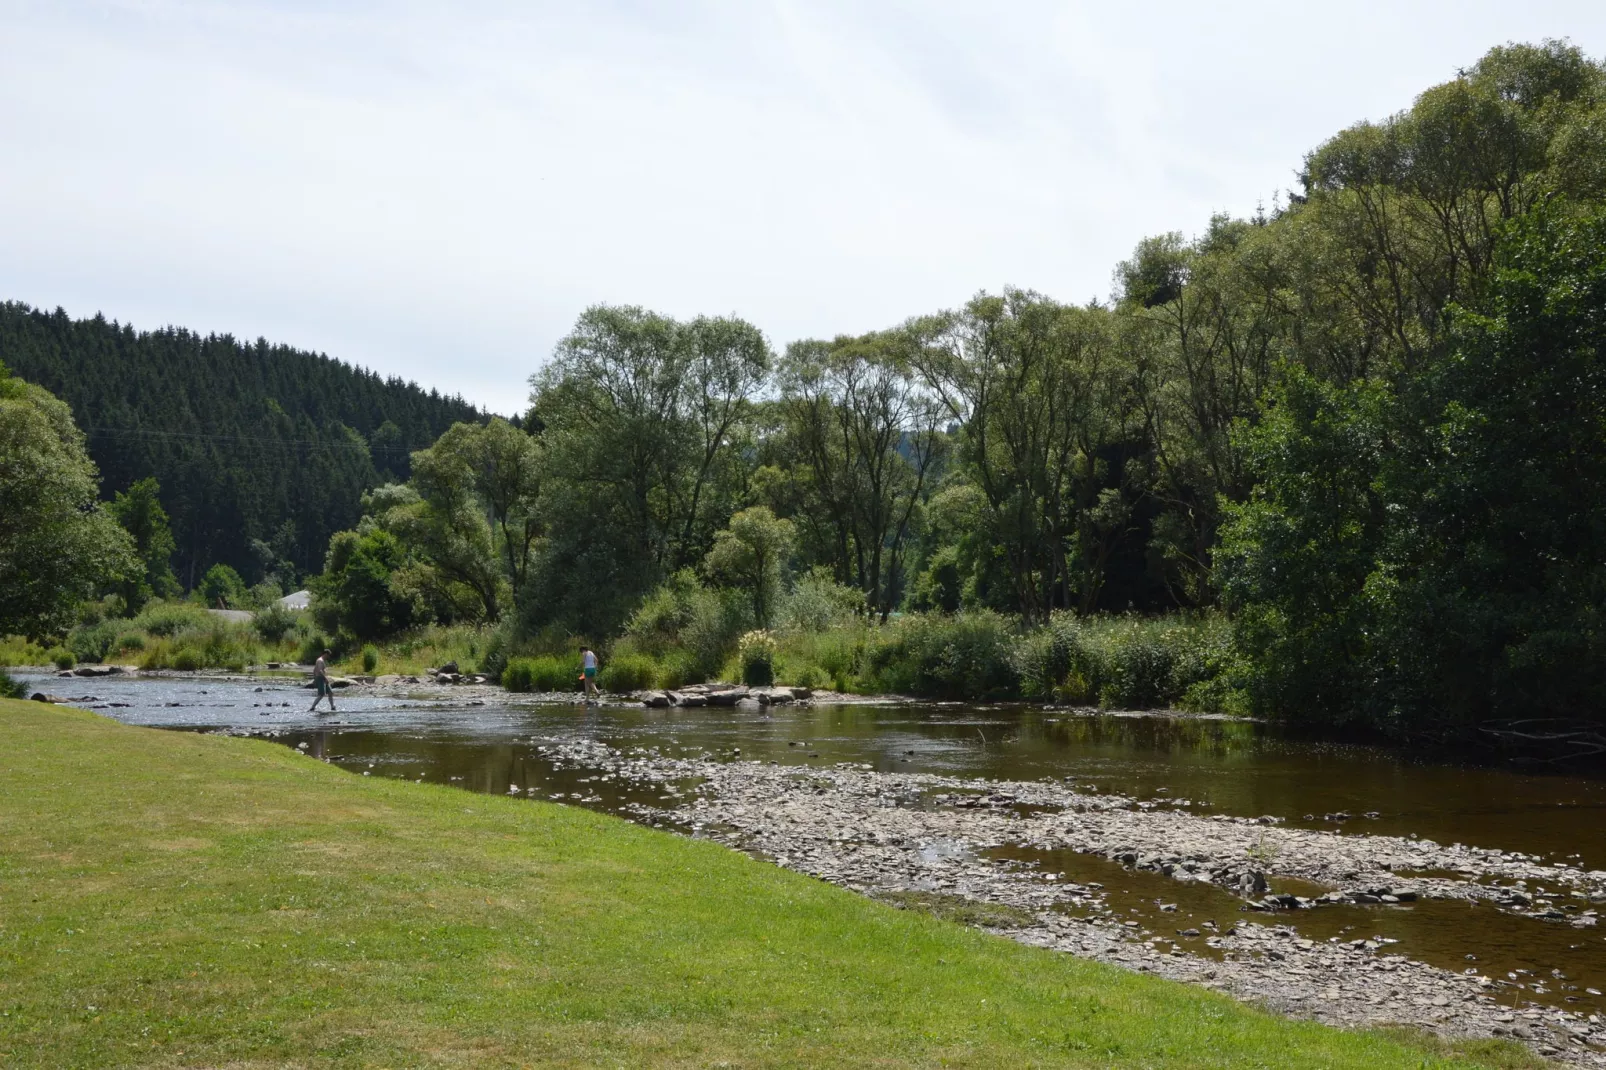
[320,680]
[588,670]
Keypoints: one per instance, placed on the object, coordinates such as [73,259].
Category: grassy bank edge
[226,900]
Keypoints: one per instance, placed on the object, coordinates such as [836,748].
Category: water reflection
[1453,935]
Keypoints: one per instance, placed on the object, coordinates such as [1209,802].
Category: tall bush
[628,672]
[1130,662]
[968,655]
[93,642]
[166,619]
[222,587]
[818,603]
[682,616]
[274,623]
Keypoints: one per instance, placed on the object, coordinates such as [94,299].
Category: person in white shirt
[588,670]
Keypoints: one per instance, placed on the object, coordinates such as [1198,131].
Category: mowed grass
[180,900]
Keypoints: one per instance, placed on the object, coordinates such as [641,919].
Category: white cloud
[437,190]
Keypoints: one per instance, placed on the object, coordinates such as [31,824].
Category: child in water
[588,670]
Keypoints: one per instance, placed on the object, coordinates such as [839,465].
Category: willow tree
[645,422]
[1202,326]
[501,469]
[864,435]
[1045,415]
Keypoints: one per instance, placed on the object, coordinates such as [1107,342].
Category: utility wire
[195,436]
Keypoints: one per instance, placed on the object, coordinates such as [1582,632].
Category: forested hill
[262,451]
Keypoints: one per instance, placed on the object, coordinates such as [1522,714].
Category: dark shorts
[323,687]
[591,673]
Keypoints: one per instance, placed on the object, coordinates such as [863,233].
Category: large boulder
[98,670]
[656,700]
[689,698]
[727,697]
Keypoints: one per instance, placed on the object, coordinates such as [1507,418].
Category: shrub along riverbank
[1181,660]
[229,901]
[686,633]
[185,636]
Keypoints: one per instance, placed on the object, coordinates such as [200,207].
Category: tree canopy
[58,543]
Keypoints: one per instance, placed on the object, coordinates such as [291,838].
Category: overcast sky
[437,190]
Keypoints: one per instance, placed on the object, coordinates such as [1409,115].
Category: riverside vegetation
[1336,464]
[227,901]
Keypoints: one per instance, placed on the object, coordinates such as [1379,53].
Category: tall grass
[1177,660]
[181,636]
[1180,661]
[15,650]
[832,659]
[631,672]
[430,647]
[544,672]
[967,655]
[1126,662]
[212,644]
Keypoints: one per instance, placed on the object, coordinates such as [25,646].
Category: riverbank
[176,899]
[1002,851]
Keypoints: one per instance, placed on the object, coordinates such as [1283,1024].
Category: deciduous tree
[58,544]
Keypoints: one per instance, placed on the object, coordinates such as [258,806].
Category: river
[1014,798]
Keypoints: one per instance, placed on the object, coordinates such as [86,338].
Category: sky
[437,190]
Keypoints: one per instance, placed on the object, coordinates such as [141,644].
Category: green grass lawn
[179,900]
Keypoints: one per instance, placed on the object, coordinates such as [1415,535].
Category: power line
[196,436]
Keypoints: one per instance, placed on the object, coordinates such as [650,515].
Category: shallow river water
[489,743]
